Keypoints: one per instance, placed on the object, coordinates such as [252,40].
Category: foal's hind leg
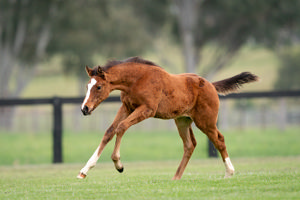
[189,143]
[218,140]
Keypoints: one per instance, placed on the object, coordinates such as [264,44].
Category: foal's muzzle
[85,110]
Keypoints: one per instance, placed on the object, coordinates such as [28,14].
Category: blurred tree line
[33,30]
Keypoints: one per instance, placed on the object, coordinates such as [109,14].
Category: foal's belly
[169,115]
[176,104]
[172,110]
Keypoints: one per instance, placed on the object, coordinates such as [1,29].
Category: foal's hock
[147,91]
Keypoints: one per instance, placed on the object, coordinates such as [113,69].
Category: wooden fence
[58,102]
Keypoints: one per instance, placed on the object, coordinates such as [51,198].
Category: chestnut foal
[147,91]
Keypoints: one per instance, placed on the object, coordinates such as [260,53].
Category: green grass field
[24,148]
[255,178]
[267,161]
[267,164]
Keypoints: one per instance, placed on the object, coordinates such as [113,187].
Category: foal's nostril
[85,110]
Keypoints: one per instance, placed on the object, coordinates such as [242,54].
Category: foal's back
[182,93]
[170,95]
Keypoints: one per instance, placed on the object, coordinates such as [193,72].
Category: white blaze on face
[87,96]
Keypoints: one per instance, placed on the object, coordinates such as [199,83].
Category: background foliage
[86,32]
[44,46]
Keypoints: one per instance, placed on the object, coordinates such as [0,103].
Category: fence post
[282,118]
[212,151]
[57,130]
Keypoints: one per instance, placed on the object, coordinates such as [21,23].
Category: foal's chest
[130,102]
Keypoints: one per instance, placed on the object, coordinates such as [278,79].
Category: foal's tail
[232,84]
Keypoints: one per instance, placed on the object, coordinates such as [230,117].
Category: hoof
[81,175]
[229,174]
[121,170]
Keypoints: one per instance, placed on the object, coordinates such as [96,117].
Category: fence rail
[270,94]
[58,102]
[42,101]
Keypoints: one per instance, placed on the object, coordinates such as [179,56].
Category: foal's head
[98,90]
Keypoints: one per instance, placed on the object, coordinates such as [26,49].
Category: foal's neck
[121,77]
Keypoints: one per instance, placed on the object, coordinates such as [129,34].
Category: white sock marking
[87,96]
[228,164]
[229,168]
[91,162]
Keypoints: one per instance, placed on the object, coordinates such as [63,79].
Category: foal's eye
[98,87]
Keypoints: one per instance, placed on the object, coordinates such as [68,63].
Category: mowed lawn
[255,178]
[267,164]
[26,148]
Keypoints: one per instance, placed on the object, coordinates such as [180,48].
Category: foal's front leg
[138,115]
[122,114]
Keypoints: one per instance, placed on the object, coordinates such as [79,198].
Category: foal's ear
[88,70]
[101,73]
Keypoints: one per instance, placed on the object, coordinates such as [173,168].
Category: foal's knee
[107,138]
[109,134]
[121,128]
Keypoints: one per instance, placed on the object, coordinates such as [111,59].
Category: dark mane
[136,59]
